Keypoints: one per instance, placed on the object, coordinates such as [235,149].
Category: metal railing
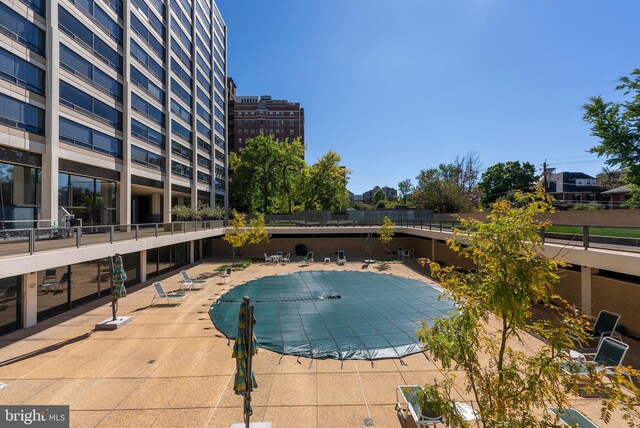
[31,240]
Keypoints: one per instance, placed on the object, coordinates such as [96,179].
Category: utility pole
[544,175]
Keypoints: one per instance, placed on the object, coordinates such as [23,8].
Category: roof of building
[618,190]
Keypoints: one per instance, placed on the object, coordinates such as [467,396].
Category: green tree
[239,235]
[385,233]
[405,187]
[450,188]
[323,185]
[617,125]
[503,179]
[485,337]
[379,196]
[263,173]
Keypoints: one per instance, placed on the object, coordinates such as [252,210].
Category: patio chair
[342,257]
[267,258]
[188,282]
[572,417]
[286,258]
[307,259]
[408,403]
[610,354]
[170,295]
[605,325]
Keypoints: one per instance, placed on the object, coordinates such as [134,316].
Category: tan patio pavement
[171,367]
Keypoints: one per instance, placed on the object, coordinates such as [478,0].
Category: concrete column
[156,208]
[143,266]
[192,252]
[29,299]
[433,249]
[168,154]
[124,187]
[50,161]
[585,281]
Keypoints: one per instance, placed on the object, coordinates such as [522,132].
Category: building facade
[390,194]
[111,111]
[250,116]
[570,188]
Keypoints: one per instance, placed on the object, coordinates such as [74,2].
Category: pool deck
[171,367]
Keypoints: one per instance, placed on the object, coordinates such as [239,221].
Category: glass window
[38,6]
[108,24]
[181,73]
[204,178]
[79,32]
[182,36]
[141,55]
[82,136]
[153,20]
[54,292]
[142,81]
[219,100]
[203,97]
[180,111]
[74,63]
[21,30]
[142,31]
[147,158]
[203,64]
[204,145]
[203,113]
[184,94]
[182,170]
[11,290]
[181,54]
[151,136]
[204,162]
[20,72]
[19,193]
[220,142]
[20,115]
[181,150]
[180,130]
[139,104]
[220,116]
[220,87]
[74,98]
[204,81]
[203,129]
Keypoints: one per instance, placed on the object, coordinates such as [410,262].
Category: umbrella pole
[249,335]
[113,301]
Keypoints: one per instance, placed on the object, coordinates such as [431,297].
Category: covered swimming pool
[335,314]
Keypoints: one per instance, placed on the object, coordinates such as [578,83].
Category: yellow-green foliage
[511,378]
[385,233]
[238,235]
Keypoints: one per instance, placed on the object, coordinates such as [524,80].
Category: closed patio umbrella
[243,350]
[118,277]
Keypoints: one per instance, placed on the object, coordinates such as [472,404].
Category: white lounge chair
[267,258]
[188,282]
[408,403]
[161,294]
[342,257]
[308,259]
[286,258]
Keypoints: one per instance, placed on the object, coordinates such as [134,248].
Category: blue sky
[397,86]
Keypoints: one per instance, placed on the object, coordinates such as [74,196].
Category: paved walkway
[171,367]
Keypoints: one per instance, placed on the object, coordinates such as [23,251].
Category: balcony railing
[29,241]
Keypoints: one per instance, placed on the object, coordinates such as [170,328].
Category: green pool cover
[334,314]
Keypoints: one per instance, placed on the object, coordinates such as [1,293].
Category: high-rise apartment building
[111,110]
[249,116]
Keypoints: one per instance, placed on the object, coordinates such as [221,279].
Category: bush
[239,266]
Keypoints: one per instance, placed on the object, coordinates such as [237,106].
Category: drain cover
[368,422]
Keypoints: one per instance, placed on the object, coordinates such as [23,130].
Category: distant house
[569,188]
[617,195]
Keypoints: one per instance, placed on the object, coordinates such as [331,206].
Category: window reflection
[91,199]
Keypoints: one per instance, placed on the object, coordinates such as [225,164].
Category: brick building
[251,115]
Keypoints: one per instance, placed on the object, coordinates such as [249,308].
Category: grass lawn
[597,231]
